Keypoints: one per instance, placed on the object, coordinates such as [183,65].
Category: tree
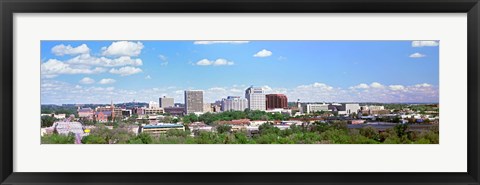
[401,130]
[223,128]
[47,121]
[190,118]
[142,138]
[339,125]
[177,133]
[58,139]
[370,133]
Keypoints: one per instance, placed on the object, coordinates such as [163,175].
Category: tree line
[335,132]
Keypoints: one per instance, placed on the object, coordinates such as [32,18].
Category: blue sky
[354,71]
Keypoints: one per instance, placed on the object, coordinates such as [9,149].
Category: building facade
[174,111]
[276,101]
[166,102]
[311,108]
[256,98]
[234,103]
[153,111]
[116,111]
[85,112]
[193,101]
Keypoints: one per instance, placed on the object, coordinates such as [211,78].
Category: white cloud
[423,85]
[221,42]
[267,88]
[123,48]
[217,89]
[316,85]
[54,67]
[360,86]
[423,43]
[61,50]
[376,85]
[107,81]
[218,62]
[87,80]
[282,58]
[163,59]
[236,90]
[62,92]
[148,77]
[87,59]
[417,55]
[397,87]
[263,53]
[126,71]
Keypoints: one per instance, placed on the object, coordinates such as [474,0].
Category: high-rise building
[166,102]
[234,103]
[275,101]
[193,101]
[256,98]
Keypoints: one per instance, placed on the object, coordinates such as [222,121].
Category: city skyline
[312,71]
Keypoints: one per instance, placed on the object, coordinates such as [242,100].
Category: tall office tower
[275,101]
[193,101]
[166,102]
[234,103]
[256,98]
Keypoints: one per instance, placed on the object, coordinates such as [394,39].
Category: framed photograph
[234,92]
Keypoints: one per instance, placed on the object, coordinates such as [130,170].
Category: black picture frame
[9,7]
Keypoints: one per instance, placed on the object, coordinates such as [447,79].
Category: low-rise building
[161,128]
[138,110]
[60,116]
[65,128]
[154,111]
[354,122]
[345,108]
[174,111]
[85,112]
[235,122]
[312,108]
[102,117]
[115,111]
[281,111]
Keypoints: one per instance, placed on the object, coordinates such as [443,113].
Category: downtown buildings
[193,101]
[276,101]
[256,98]
[234,103]
[166,102]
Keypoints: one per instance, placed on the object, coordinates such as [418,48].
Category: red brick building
[275,101]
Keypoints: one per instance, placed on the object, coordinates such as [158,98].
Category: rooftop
[163,126]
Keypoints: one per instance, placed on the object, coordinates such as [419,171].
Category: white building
[256,98]
[234,103]
[345,109]
[376,107]
[166,102]
[153,105]
[280,110]
[351,108]
[311,108]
